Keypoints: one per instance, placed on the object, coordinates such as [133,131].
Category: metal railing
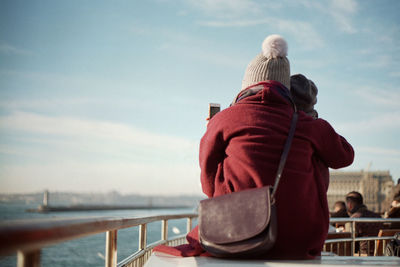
[351,222]
[28,237]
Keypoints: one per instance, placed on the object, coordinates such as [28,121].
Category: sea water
[90,251]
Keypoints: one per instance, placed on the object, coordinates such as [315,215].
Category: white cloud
[342,11]
[238,12]
[165,179]
[64,153]
[198,49]
[381,158]
[226,8]
[234,23]
[60,82]
[380,52]
[380,123]
[394,74]
[379,151]
[379,61]
[380,97]
[9,49]
[347,6]
[89,129]
[52,103]
[304,32]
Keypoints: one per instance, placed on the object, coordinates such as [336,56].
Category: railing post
[189,224]
[353,236]
[142,236]
[384,247]
[28,259]
[164,230]
[111,249]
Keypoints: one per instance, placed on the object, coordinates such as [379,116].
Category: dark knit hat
[304,93]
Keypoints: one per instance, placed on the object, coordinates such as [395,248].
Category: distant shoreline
[45,209]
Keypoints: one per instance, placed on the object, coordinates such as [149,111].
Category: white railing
[342,243]
[28,237]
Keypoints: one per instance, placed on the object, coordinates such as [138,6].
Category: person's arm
[331,147]
[212,151]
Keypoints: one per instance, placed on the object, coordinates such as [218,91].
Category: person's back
[242,147]
[339,211]
[304,94]
[394,212]
[357,209]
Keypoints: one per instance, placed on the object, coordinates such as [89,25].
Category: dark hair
[340,204]
[354,197]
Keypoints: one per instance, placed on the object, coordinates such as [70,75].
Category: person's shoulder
[374,214]
[394,212]
[356,215]
[318,125]
[225,118]
[305,118]
[370,214]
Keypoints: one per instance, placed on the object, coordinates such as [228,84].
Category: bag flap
[234,217]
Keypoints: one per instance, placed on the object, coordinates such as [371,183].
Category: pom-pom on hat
[270,64]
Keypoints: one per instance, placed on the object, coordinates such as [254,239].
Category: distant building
[375,186]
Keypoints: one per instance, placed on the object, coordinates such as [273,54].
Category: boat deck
[161,259]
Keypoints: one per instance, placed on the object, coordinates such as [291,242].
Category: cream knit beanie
[271,64]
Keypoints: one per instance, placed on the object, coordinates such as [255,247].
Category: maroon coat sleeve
[331,147]
[212,151]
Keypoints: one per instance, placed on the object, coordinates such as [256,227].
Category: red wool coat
[241,149]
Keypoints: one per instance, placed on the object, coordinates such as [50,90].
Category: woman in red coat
[242,146]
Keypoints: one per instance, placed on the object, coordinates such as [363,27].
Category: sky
[100,95]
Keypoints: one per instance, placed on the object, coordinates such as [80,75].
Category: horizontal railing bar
[33,234]
[361,220]
[129,259]
[139,253]
[340,240]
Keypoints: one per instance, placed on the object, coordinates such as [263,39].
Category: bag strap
[285,153]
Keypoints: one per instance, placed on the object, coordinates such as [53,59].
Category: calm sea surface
[90,251]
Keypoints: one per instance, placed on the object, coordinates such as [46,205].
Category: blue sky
[113,95]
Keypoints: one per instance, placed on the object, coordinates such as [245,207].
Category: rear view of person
[357,209]
[242,147]
[339,210]
[243,144]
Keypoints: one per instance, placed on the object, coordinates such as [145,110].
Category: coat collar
[274,86]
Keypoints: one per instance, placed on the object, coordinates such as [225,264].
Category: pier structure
[46,198]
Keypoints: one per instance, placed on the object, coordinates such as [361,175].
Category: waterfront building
[375,186]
